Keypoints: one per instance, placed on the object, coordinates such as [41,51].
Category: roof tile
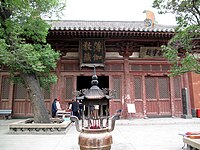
[108,26]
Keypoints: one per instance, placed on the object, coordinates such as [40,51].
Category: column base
[186,116]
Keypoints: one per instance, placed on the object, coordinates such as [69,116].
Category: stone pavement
[134,134]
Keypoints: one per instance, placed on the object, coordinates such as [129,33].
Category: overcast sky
[113,10]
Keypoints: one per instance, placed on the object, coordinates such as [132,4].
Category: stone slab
[28,127]
[194,143]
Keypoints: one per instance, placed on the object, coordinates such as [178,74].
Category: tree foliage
[23,46]
[182,50]
[23,36]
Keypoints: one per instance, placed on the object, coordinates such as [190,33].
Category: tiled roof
[108,26]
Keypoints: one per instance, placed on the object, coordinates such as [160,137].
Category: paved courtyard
[135,134]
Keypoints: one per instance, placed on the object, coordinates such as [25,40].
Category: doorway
[158,96]
[84,82]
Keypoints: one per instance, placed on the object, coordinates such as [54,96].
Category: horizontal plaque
[150,52]
[92,52]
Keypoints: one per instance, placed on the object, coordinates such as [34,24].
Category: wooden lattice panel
[138,87]
[177,87]
[146,67]
[136,67]
[5,88]
[117,87]
[46,94]
[69,88]
[155,67]
[116,67]
[150,88]
[163,83]
[165,67]
[68,67]
[20,91]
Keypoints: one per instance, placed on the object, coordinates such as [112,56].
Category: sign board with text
[92,52]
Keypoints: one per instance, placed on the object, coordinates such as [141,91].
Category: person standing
[75,108]
[80,109]
[58,105]
[54,108]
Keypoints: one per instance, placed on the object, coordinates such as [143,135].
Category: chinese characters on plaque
[151,52]
[92,52]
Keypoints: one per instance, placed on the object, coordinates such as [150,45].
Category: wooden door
[177,96]
[138,95]
[21,104]
[115,103]
[5,91]
[158,101]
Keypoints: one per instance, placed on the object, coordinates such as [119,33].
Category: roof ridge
[95,21]
[108,25]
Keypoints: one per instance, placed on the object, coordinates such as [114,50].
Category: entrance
[158,96]
[84,82]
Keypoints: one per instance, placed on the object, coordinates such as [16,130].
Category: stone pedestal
[185,104]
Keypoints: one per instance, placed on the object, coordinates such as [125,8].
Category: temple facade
[128,61]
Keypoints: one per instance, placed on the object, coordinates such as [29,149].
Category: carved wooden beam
[126,48]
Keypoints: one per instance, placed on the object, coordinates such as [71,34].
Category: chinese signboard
[92,52]
[150,52]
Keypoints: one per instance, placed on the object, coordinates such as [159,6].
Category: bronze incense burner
[96,122]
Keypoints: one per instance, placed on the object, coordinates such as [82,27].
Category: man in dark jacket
[75,108]
[54,108]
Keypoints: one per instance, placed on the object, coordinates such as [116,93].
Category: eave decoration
[92,52]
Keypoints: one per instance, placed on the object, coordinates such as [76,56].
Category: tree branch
[4,13]
[197,10]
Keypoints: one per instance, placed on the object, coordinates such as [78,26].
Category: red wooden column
[172,96]
[57,93]
[126,50]
[57,90]
[186,85]
[144,97]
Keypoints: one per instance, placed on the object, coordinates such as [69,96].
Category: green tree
[24,50]
[182,49]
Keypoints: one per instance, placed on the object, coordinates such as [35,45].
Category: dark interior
[84,82]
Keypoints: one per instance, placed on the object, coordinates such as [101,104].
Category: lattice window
[165,67]
[177,87]
[138,87]
[136,67]
[116,67]
[69,88]
[163,83]
[155,67]
[150,85]
[107,67]
[76,67]
[20,91]
[5,88]
[68,66]
[117,87]
[46,94]
[146,67]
